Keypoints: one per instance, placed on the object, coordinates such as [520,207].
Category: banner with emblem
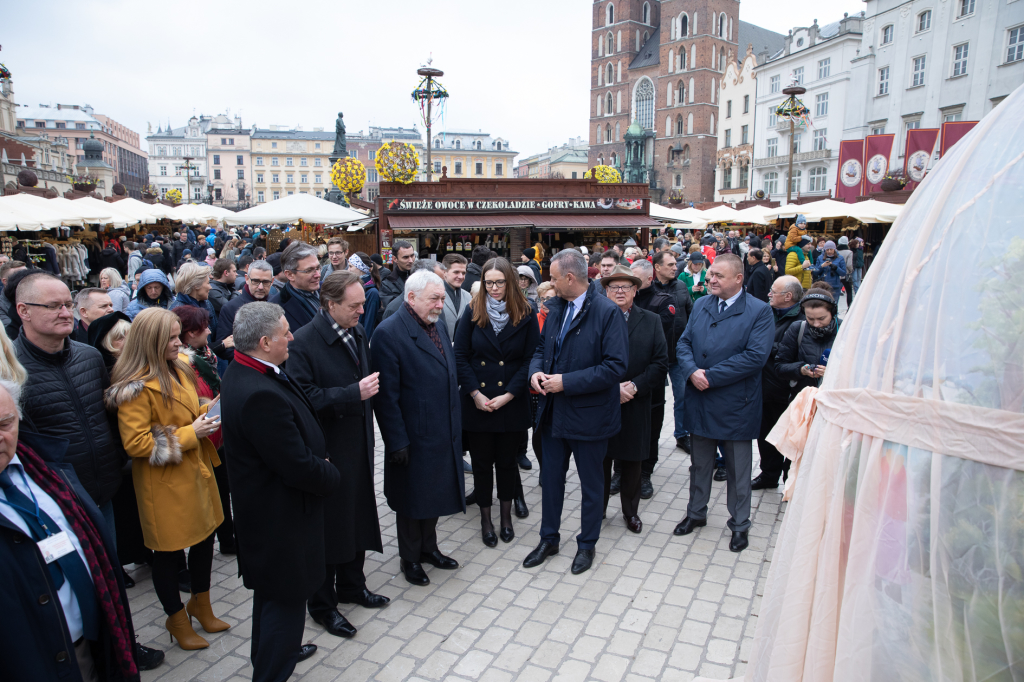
[952,131]
[920,146]
[851,170]
[877,150]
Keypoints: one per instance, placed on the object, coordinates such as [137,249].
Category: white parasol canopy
[118,218]
[292,209]
[45,209]
[20,218]
[752,214]
[720,214]
[150,213]
[199,213]
[826,209]
[874,211]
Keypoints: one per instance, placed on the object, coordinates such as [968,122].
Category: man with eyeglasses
[337,257]
[300,296]
[258,279]
[63,397]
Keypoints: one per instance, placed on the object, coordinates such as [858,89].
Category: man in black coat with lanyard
[279,479]
[666,271]
[576,368]
[330,360]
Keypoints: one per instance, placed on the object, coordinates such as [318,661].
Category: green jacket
[687,278]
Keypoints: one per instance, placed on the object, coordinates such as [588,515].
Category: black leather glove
[399,457]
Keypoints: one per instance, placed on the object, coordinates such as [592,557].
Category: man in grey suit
[455,300]
[725,346]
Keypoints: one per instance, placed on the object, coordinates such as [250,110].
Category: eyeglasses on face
[260,282]
[620,288]
[53,307]
[494,283]
[307,271]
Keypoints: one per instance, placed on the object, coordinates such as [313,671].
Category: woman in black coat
[337,378]
[494,344]
[803,353]
[648,365]
[759,280]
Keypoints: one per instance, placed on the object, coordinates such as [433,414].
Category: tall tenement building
[660,63]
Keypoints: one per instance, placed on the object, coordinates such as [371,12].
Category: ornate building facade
[660,64]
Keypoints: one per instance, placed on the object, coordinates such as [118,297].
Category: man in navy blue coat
[725,346]
[577,368]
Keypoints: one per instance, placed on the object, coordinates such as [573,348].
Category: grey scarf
[496,311]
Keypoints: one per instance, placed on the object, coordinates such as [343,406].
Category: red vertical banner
[920,146]
[851,170]
[877,151]
[952,131]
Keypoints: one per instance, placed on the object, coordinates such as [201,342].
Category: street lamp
[791,108]
[188,179]
[209,193]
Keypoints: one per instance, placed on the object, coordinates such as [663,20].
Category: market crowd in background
[113,454]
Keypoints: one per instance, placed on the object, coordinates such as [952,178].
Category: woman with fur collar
[165,431]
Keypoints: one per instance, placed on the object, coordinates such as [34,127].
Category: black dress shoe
[538,555]
[414,572]
[583,561]
[471,498]
[762,482]
[490,539]
[439,560]
[524,463]
[684,444]
[128,582]
[367,599]
[739,541]
[615,484]
[686,526]
[337,625]
[306,650]
[720,474]
[148,659]
[507,534]
[646,489]
[634,524]
[519,505]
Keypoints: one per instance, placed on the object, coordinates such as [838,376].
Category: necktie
[71,564]
[721,306]
[565,327]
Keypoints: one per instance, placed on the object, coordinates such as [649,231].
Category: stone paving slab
[653,607]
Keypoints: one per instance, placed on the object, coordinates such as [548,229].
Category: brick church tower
[660,63]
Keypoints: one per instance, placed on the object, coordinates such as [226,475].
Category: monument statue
[340,146]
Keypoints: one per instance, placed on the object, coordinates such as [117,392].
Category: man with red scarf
[64,603]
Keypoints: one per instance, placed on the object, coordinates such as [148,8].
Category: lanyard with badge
[56,544]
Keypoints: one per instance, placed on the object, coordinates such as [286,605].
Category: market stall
[508,216]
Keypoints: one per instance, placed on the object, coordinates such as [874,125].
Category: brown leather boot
[198,607]
[181,629]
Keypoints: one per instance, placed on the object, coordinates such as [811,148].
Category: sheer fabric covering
[901,556]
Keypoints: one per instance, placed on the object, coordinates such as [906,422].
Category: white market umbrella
[150,213]
[119,219]
[45,209]
[676,216]
[720,214]
[826,209]
[17,218]
[784,211]
[874,211]
[753,215]
[199,213]
[292,209]
[86,213]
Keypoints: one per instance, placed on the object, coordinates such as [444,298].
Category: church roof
[762,39]
[649,53]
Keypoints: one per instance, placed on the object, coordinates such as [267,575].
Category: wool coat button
[44,599]
[62,656]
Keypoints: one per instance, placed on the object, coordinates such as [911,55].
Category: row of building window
[742,178]
[923,22]
[239,160]
[728,104]
[817,179]
[744,134]
[371,194]
[819,142]
[289,161]
[273,145]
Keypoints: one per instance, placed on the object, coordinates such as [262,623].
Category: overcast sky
[516,70]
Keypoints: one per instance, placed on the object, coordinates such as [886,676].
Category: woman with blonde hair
[192,284]
[165,432]
[120,291]
[10,368]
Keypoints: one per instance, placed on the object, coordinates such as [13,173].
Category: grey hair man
[90,303]
[422,265]
[583,352]
[279,478]
[259,278]
[422,439]
[300,297]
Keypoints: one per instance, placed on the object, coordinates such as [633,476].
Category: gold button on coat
[500,384]
[482,385]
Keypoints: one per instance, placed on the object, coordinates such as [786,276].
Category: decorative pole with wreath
[429,91]
[793,109]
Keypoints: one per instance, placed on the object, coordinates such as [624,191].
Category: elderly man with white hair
[420,418]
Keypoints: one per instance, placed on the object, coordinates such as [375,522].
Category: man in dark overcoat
[722,352]
[420,419]
[330,360]
[279,479]
[576,368]
[645,375]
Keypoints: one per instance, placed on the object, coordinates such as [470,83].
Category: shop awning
[544,222]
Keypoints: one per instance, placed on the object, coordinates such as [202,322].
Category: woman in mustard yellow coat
[164,430]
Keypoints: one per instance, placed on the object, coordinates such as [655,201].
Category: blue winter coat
[831,274]
[592,362]
[141,302]
[732,347]
[418,408]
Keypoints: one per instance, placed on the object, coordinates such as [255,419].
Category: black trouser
[629,492]
[165,574]
[657,420]
[534,404]
[773,464]
[226,530]
[415,537]
[344,582]
[493,453]
[276,637]
[848,285]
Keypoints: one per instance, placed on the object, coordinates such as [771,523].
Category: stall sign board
[517,205]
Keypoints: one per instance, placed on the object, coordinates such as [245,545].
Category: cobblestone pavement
[653,607]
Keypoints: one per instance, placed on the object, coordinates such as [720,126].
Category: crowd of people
[114,451]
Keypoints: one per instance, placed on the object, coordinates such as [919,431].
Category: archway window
[609,41]
[615,156]
[680,129]
[712,131]
[771,183]
[683,26]
[817,179]
[689,124]
[458,144]
[680,93]
[609,75]
[499,145]
[721,25]
[608,105]
[645,104]
[679,181]
[618,136]
[647,36]
[607,133]
[610,14]
[686,153]
[795,181]
[479,144]
[600,159]
[647,13]
[437,143]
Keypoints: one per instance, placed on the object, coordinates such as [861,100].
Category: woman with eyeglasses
[494,343]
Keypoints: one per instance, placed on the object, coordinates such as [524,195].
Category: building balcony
[797,158]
